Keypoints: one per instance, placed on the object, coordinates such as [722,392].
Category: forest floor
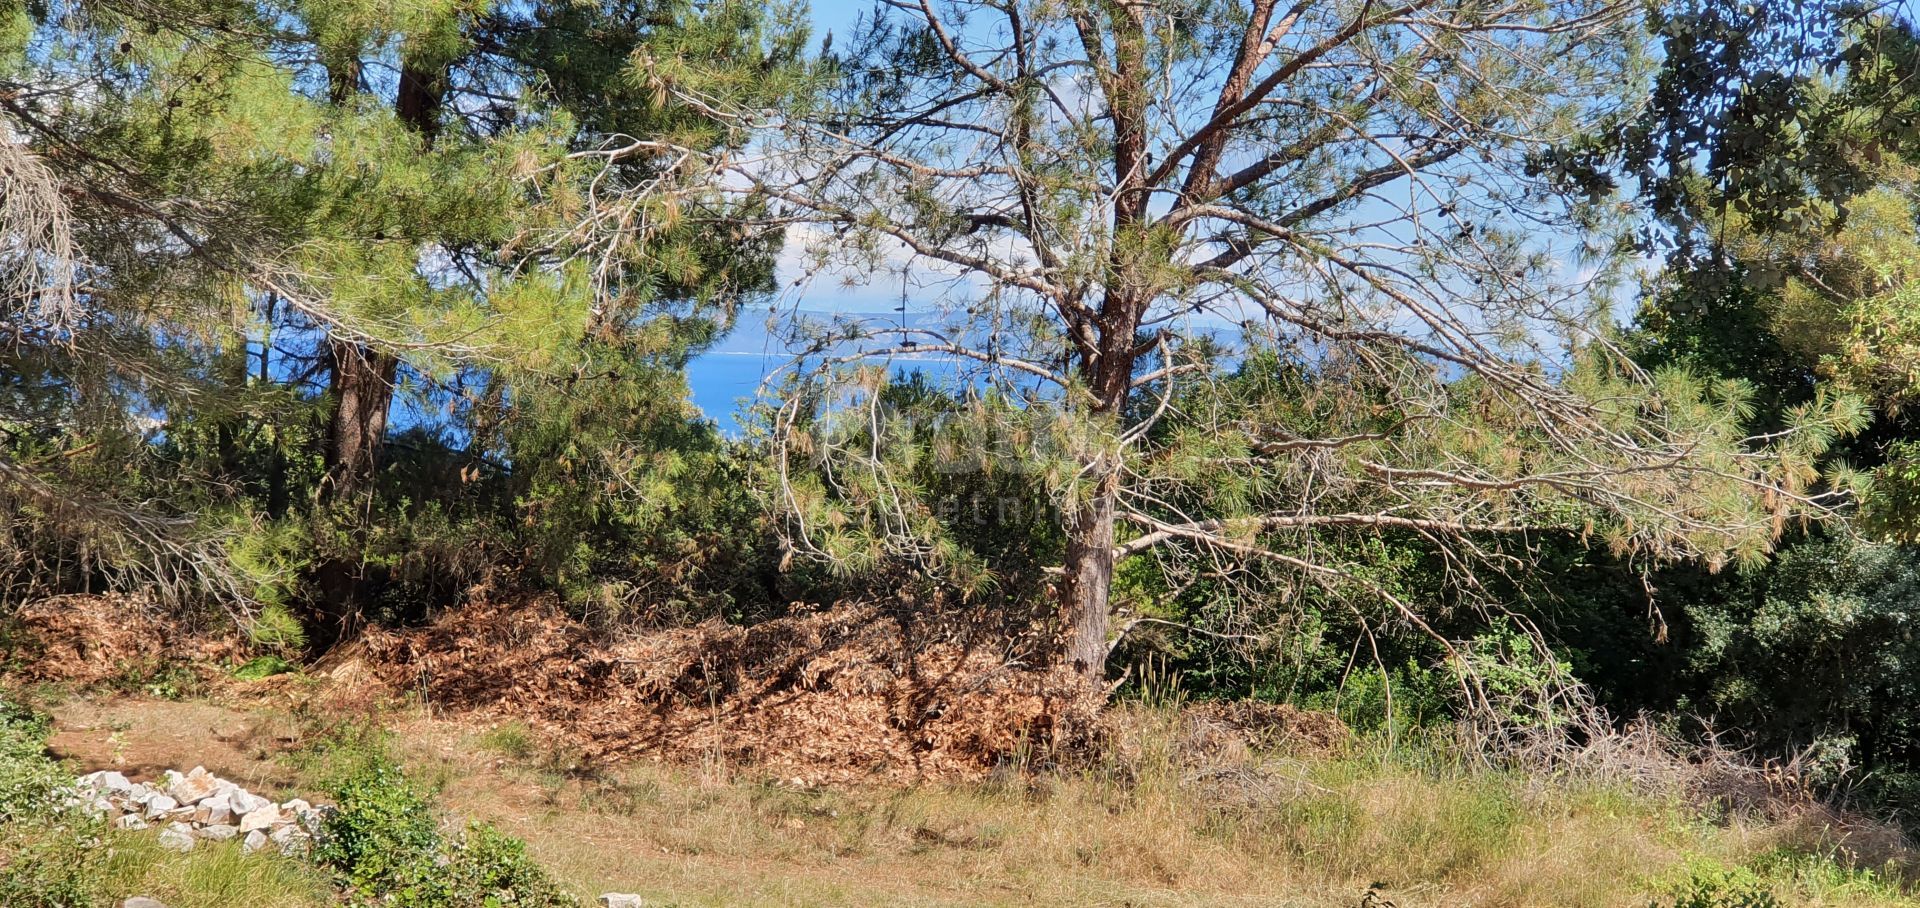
[1311,830]
[846,759]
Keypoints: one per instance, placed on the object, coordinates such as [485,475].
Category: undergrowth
[1169,817]
[382,845]
[386,845]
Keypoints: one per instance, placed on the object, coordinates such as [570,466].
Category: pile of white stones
[198,805]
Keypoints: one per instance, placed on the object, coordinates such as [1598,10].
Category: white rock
[260,818]
[129,821]
[245,802]
[141,901]
[218,813]
[196,786]
[159,805]
[313,820]
[181,815]
[107,781]
[290,840]
[621,900]
[217,833]
[254,841]
[176,838]
[297,806]
[139,792]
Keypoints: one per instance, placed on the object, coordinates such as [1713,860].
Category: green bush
[1713,886]
[30,784]
[490,868]
[52,865]
[48,856]
[384,843]
[382,832]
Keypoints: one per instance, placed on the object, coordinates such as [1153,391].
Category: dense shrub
[385,845]
[1712,886]
[49,856]
[383,830]
[57,865]
[30,783]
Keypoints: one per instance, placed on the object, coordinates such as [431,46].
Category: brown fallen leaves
[855,692]
[843,694]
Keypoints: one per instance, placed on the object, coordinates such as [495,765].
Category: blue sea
[724,382]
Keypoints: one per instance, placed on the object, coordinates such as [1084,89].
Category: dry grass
[1173,816]
[1152,827]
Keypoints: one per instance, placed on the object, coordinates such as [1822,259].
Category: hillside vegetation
[1427,452]
[1179,811]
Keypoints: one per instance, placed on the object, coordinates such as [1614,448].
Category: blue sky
[836,16]
[732,370]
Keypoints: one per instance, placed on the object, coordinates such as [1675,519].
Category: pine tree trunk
[1088,584]
[1089,580]
[363,377]
[363,389]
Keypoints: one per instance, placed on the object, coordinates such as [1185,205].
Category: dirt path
[144,738]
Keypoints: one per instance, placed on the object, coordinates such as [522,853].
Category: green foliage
[263,667]
[160,677]
[276,630]
[1709,885]
[443,227]
[58,865]
[489,868]
[1890,497]
[384,843]
[1516,675]
[51,854]
[273,557]
[384,830]
[30,784]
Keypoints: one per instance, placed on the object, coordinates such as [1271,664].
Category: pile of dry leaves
[849,693]
[842,694]
[90,639]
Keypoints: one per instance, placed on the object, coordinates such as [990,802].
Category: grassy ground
[1150,828]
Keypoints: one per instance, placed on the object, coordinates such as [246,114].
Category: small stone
[130,821]
[159,805]
[262,818]
[621,900]
[182,815]
[218,813]
[141,901]
[139,792]
[176,838]
[108,781]
[217,833]
[245,802]
[316,819]
[297,806]
[196,786]
[290,840]
[254,841]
